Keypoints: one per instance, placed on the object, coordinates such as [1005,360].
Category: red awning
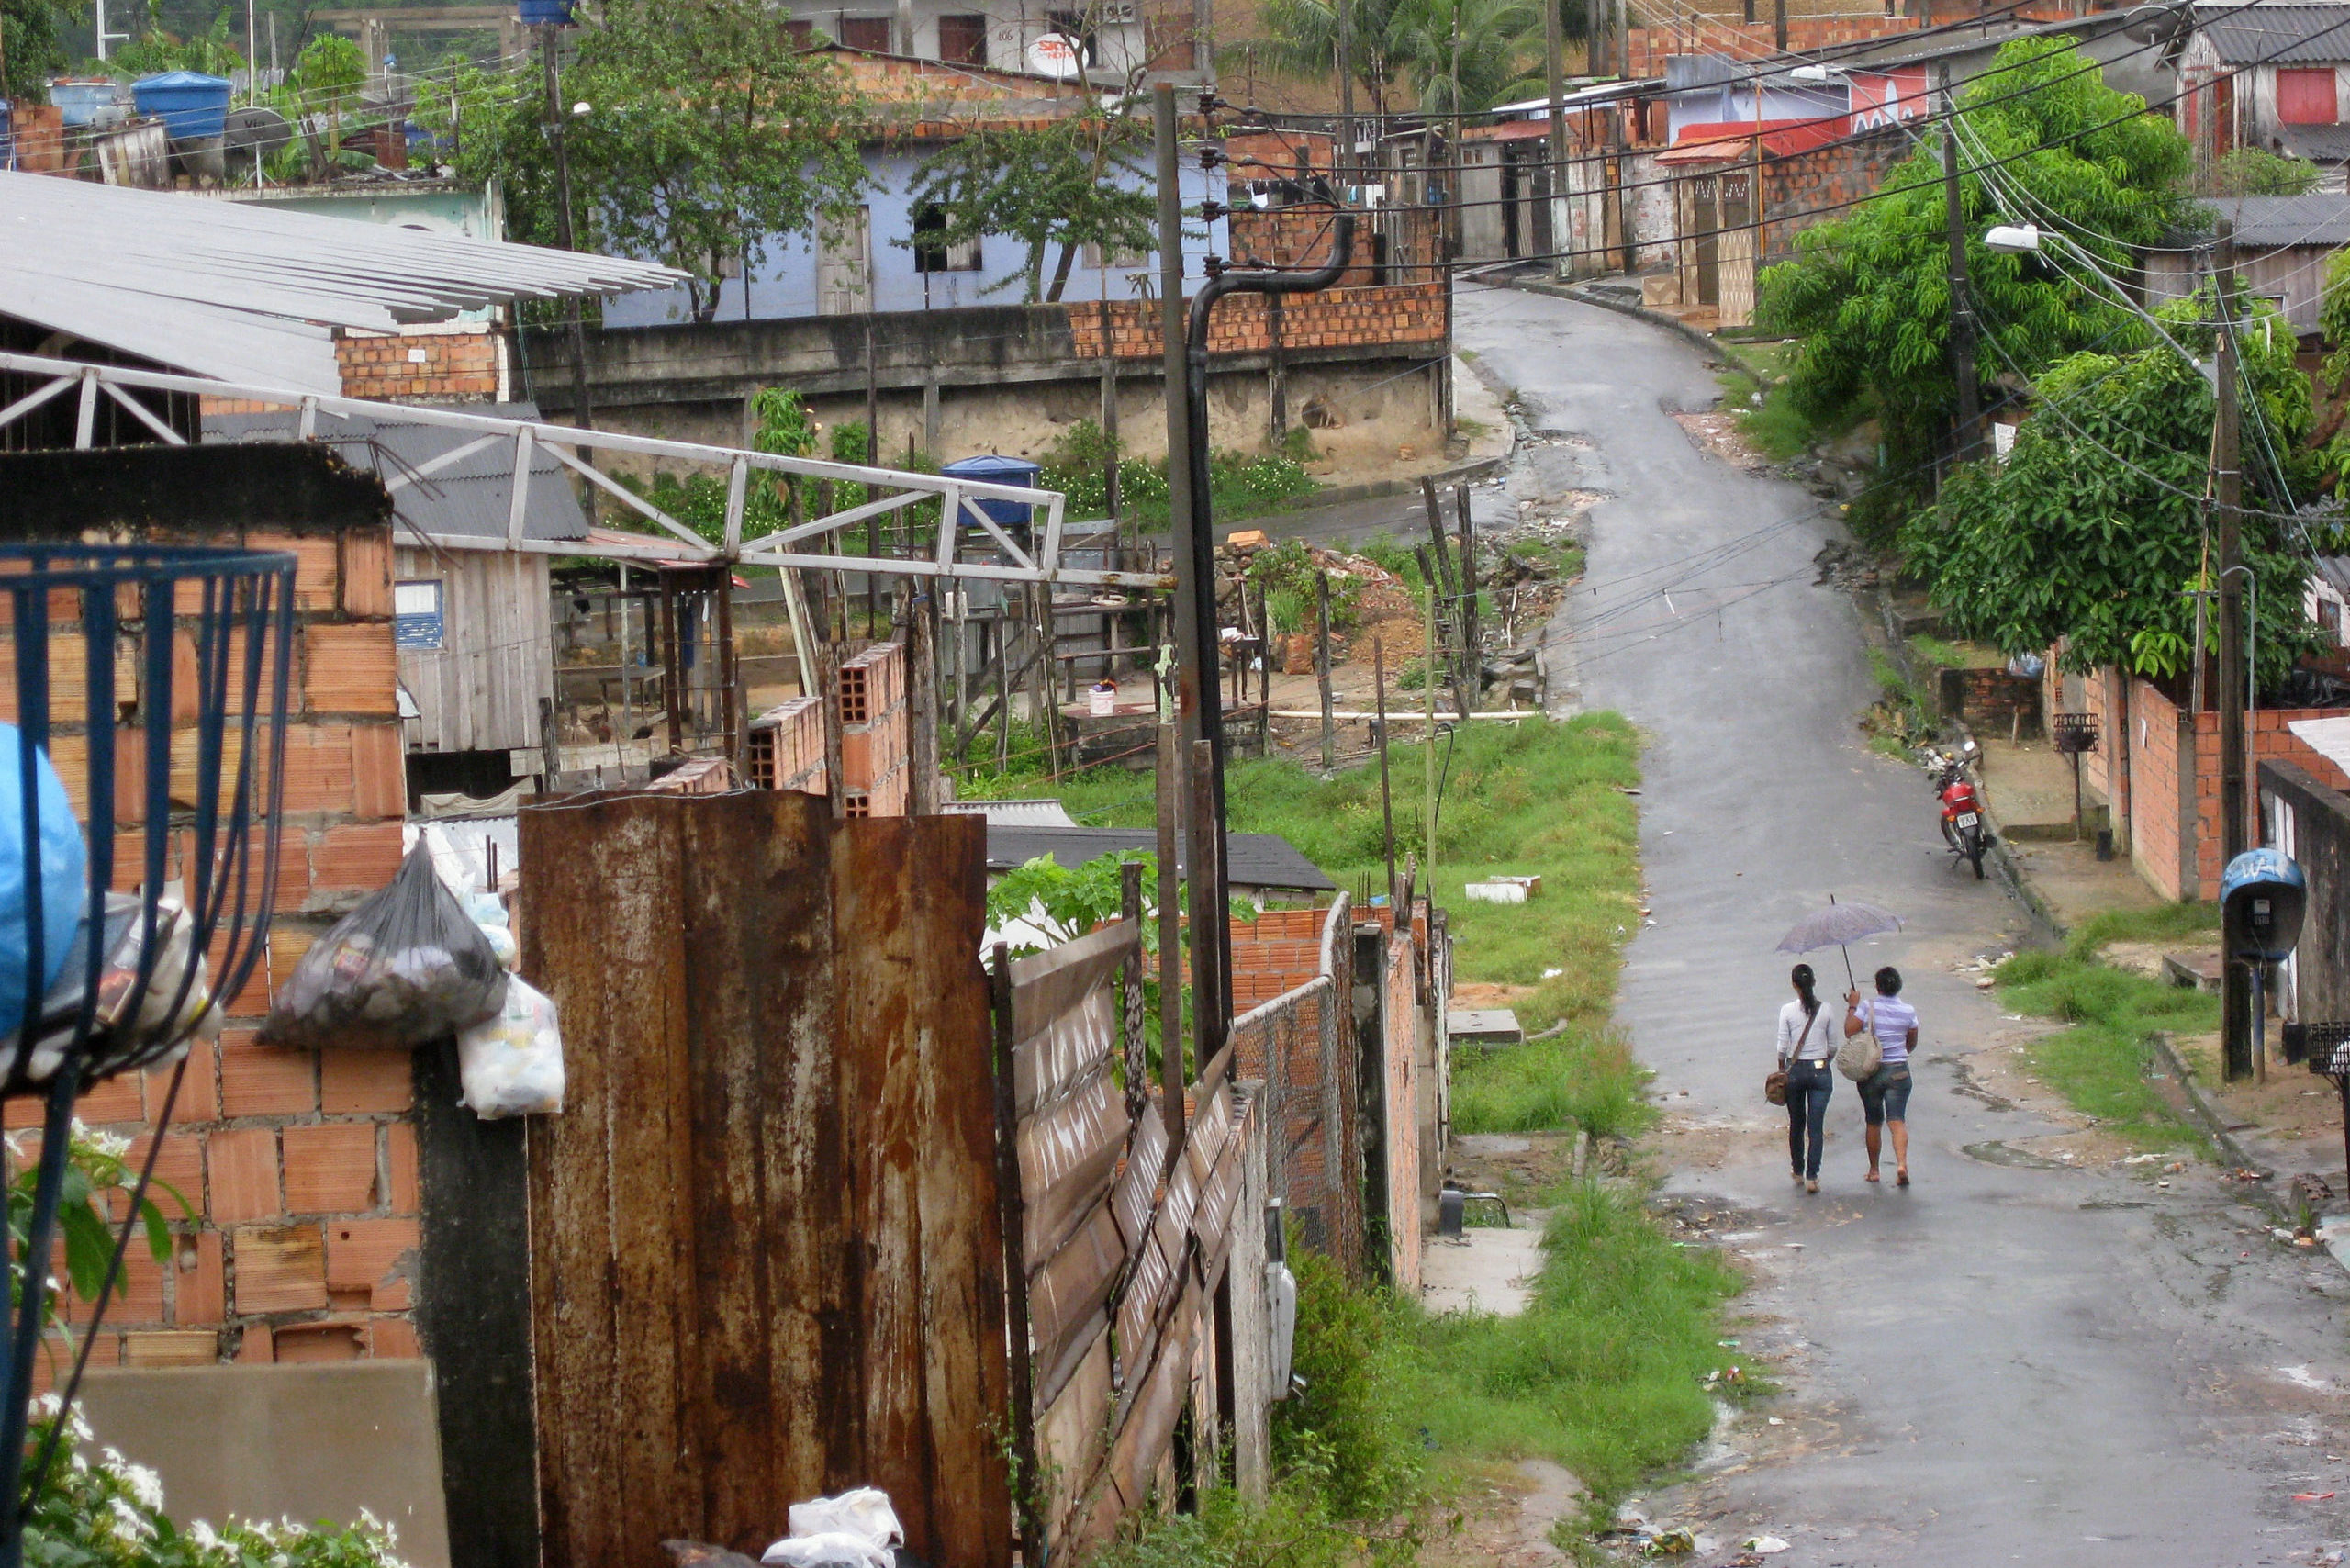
[1733,141]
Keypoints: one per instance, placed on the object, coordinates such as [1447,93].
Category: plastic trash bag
[64,870]
[176,1008]
[408,965]
[512,1066]
[834,1548]
[864,1511]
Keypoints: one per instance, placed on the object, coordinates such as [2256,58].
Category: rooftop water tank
[991,469]
[189,103]
[88,100]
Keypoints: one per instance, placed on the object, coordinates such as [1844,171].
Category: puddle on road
[1994,1152]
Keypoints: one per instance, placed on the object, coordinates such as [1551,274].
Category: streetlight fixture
[2030,239]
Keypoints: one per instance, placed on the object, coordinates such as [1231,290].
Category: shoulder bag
[1860,1054]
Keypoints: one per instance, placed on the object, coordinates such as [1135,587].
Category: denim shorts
[1885,1094]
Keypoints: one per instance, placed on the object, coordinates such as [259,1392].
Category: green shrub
[1347,1426]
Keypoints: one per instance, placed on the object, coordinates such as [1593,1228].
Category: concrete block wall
[787,743]
[787,747]
[298,1168]
[1805,189]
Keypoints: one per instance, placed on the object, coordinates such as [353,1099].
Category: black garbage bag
[406,967]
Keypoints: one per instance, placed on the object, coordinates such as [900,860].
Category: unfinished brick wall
[1399,314]
[787,742]
[1650,47]
[420,367]
[299,1166]
[1306,237]
[1805,188]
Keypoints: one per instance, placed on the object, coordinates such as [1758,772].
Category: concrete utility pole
[1961,312]
[1554,64]
[1343,160]
[582,413]
[2227,490]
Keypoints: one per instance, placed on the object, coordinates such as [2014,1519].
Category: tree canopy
[1868,297]
[33,42]
[1074,182]
[708,134]
[2093,531]
[1392,41]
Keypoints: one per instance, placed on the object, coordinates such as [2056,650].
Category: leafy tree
[2093,530]
[1075,181]
[32,42]
[2256,170]
[1066,904]
[1869,294]
[324,85]
[211,52]
[708,137]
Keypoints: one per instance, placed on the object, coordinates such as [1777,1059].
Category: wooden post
[1428,706]
[1469,628]
[921,698]
[1130,1015]
[1386,794]
[672,668]
[1015,1264]
[825,661]
[1442,581]
[1321,669]
[1170,929]
[1211,942]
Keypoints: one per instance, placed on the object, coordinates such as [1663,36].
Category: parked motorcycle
[1962,828]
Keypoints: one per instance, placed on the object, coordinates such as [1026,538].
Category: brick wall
[1812,183]
[1991,701]
[1304,236]
[787,743]
[420,367]
[2174,777]
[300,1167]
[1402,313]
[1736,39]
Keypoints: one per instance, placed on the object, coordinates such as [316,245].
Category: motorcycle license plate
[1966,820]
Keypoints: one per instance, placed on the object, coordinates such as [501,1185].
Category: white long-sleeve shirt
[1815,1044]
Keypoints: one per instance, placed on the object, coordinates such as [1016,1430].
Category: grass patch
[1939,655]
[2161,923]
[2099,1064]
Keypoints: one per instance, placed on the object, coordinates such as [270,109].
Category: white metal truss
[1039,563]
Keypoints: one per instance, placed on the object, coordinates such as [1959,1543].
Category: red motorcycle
[1962,828]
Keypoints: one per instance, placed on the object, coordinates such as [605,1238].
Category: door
[1704,223]
[1512,187]
[844,267]
[2284,836]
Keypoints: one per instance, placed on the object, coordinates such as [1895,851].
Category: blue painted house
[880,263]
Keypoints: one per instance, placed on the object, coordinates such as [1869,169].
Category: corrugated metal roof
[2320,219]
[1257,859]
[251,293]
[472,496]
[2277,35]
[2318,143]
[1013,813]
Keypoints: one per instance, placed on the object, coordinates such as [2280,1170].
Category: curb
[1703,340]
[2215,1127]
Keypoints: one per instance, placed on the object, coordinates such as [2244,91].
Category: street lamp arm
[2028,239]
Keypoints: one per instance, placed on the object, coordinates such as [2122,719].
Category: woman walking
[1806,1045]
[1885,1094]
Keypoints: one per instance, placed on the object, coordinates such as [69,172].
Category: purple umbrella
[1838,925]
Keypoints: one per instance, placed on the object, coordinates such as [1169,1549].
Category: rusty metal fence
[767,1261]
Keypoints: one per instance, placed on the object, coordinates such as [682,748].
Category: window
[869,33]
[416,615]
[1074,27]
[804,34]
[963,40]
[2329,616]
[1089,257]
[2307,97]
[931,255]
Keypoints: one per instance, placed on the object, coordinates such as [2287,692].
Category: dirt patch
[1521,1167]
[1470,995]
[1716,436]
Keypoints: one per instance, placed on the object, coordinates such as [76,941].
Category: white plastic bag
[864,1510]
[512,1065]
[834,1549]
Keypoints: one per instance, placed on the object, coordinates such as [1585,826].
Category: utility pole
[2227,490]
[1344,159]
[1962,311]
[582,413]
[1594,35]
[1779,26]
[1194,588]
[1554,64]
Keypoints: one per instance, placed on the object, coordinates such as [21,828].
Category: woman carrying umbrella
[1884,1095]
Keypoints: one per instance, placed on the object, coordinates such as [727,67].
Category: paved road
[2007,1362]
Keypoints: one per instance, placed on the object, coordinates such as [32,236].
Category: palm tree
[1467,55]
[1300,42]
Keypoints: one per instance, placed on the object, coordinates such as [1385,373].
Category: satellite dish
[256,130]
[1056,55]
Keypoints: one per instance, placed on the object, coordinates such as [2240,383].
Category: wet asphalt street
[2011,1361]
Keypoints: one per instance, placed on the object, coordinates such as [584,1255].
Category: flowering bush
[110,1514]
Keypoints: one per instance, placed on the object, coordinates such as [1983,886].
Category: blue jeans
[1808,1086]
[1885,1094]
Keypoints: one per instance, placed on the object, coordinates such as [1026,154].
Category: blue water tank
[87,100]
[546,13]
[991,469]
[190,104]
